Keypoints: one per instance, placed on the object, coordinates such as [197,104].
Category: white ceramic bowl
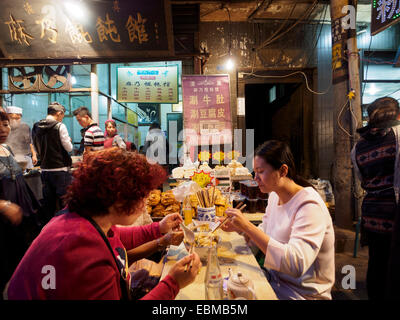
[202,251]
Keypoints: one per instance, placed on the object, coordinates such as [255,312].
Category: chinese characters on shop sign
[45,27]
[148,84]
[384,14]
[206,105]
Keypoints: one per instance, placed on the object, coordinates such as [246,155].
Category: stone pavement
[344,256]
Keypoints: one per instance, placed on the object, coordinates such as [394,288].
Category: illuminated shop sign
[385,13]
[148,84]
[55,29]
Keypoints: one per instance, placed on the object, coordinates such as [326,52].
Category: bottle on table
[213,280]
[187,211]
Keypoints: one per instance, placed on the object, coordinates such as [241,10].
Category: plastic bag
[145,275]
[324,188]
[185,189]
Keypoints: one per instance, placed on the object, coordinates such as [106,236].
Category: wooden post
[1,88]
[94,93]
[109,106]
[355,107]
[347,113]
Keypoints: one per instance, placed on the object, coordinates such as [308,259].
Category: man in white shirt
[53,144]
[20,139]
[156,146]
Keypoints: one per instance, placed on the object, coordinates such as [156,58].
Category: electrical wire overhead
[289,75]
[304,17]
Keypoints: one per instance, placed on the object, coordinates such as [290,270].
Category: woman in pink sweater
[81,254]
[296,234]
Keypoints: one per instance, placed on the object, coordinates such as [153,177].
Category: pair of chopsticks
[240,206]
[190,252]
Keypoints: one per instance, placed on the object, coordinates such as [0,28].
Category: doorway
[282,111]
[174,120]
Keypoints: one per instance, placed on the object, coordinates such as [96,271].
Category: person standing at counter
[53,144]
[296,234]
[85,246]
[18,208]
[20,139]
[156,146]
[92,135]
[112,138]
[376,160]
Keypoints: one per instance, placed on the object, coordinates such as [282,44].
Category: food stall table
[233,253]
[255,218]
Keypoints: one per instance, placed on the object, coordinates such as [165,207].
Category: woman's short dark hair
[111,176]
[277,153]
[382,110]
[4,116]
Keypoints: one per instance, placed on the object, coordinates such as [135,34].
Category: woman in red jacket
[81,254]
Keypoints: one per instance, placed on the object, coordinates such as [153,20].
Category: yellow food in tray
[220,211]
[205,240]
[204,227]
[220,201]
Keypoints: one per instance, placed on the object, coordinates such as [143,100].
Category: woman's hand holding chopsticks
[182,277]
[237,221]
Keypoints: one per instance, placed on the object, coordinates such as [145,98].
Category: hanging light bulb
[76,9]
[230,64]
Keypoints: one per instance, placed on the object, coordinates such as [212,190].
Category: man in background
[156,146]
[20,139]
[53,144]
[92,135]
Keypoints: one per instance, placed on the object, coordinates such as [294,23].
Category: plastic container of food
[237,198]
[251,205]
[236,185]
[252,189]
[243,188]
[261,195]
[261,205]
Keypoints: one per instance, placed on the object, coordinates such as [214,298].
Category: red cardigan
[84,267]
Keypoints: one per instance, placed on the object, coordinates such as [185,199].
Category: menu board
[148,84]
[206,107]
